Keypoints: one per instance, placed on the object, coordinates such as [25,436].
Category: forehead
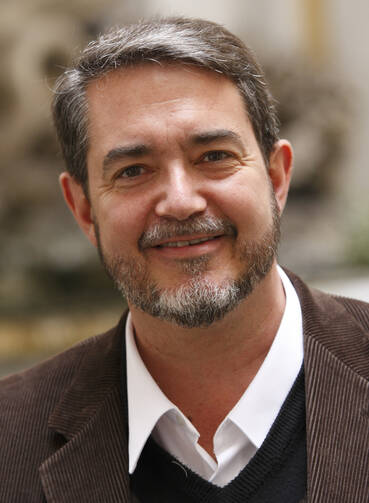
[140,78]
[156,103]
[134,88]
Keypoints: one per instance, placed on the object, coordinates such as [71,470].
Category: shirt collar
[257,409]
[146,402]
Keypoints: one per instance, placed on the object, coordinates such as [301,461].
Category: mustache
[192,226]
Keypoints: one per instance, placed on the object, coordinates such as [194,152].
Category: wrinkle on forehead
[151,105]
[136,77]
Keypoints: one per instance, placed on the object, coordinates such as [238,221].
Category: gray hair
[173,40]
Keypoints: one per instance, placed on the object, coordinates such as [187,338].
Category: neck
[204,371]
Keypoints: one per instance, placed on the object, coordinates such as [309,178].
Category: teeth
[180,244]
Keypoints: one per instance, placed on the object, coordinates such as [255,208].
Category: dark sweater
[276,474]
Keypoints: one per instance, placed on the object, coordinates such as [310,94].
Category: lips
[193,231]
[181,244]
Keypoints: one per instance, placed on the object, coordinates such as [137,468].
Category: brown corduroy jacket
[63,424]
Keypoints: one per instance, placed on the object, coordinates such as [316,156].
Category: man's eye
[216,155]
[131,171]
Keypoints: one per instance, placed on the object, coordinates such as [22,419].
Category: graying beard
[194,266]
[198,302]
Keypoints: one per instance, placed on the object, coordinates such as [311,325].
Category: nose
[180,195]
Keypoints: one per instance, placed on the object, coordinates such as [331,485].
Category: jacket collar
[337,395]
[92,465]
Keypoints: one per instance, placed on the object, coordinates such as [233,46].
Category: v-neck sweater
[277,472]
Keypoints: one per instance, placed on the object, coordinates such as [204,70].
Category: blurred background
[53,291]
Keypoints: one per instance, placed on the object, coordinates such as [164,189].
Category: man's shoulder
[336,326]
[313,300]
[357,308]
[37,390]
[50,376]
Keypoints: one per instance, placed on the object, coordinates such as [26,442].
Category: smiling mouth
[191,242]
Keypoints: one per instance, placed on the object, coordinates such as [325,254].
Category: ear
[79,205]
[280,169]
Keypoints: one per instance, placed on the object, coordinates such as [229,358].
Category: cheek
[121,224]
[248,208]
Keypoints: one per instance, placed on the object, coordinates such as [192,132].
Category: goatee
[199,301]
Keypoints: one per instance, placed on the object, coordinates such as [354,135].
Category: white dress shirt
[243,430]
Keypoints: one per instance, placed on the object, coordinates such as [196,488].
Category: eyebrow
[124,152]
[203,138]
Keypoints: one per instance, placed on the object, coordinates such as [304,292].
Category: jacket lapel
[337,397]
[90,424]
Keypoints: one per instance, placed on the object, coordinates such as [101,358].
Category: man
[176,174]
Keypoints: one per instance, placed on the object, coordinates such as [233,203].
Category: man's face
[183,210]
